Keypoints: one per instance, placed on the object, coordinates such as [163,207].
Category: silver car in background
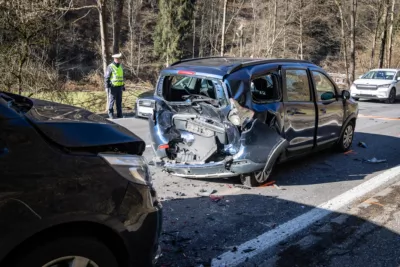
[379,84]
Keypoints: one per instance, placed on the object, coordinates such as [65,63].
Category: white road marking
[274,237]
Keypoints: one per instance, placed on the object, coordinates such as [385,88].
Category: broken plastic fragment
[375,160]
[362,144]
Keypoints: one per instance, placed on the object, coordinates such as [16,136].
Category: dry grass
[95,101]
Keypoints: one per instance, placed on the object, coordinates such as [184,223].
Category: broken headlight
[133,168]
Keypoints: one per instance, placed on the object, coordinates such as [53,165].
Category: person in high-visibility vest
[115,84]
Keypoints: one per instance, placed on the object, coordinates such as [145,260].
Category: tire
[347,137]
[392,97]
[257,178]
[88,251]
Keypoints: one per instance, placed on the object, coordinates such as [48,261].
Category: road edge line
[282,232]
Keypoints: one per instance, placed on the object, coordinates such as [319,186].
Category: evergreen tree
[173,30]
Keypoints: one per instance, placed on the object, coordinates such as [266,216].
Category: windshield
[379,75]
[177,88]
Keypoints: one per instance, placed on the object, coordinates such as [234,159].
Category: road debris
[247,250]
[278,187]
[362,144]
[375,160]
[216,198]
[350,152]
[206,192]
[241,186]
[268,184]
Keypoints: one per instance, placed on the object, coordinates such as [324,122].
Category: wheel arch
[78,228]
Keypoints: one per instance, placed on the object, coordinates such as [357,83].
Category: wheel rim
[71,261]
[348,136]
[392,96]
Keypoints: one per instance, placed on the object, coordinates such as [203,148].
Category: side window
[322,84]
[297,86]
[265,89]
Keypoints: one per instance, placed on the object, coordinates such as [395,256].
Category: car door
[330,111]
[299,110]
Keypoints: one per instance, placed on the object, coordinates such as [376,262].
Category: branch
[237,12]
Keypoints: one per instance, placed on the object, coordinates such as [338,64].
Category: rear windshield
[173,88]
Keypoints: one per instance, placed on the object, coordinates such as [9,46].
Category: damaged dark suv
[74,189]
[237,117]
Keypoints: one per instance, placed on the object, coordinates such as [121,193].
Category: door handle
[323,110]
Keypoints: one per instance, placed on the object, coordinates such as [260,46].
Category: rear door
[299,110]
[329,107]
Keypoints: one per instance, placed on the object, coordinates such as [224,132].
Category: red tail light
[186,72]
[164,146]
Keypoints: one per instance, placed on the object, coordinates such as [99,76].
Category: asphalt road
[198,229]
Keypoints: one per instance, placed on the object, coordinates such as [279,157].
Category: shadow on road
[329,166]
[198,229]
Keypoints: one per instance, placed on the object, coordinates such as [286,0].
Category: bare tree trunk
[194,35]
[139,55]
[284,27]
[117,25]
[223,28]
[390,44]
[342,33]
[301,29]
[201,53]
[131,21]
[353,39]
[384,34]
[274,25]
[378,22]
[101,6]
[254,27]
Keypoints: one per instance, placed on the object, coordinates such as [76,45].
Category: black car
[74,189]
[225,117]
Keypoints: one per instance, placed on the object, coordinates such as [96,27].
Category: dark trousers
[115,97]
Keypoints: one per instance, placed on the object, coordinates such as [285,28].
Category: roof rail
[194,59]
[263,61]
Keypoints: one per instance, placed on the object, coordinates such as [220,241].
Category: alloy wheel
[71,261]
[348,136]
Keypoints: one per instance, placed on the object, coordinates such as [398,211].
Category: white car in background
[144,107]
[380,84]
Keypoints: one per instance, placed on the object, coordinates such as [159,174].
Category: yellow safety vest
[117,75]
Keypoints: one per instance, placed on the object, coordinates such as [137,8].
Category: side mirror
[359,77]
[345,94]
[327,96]
[398,78]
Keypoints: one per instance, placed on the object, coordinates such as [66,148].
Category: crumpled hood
[372,81]
[75,127]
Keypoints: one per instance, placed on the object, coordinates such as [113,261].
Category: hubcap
[348,136]
[71,261]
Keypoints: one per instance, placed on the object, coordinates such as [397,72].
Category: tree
[173,30]
[384,33]
[105,55]
[27,27]
[223,28]
[353,16]
[343,35]
[390,44]
[119,5]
